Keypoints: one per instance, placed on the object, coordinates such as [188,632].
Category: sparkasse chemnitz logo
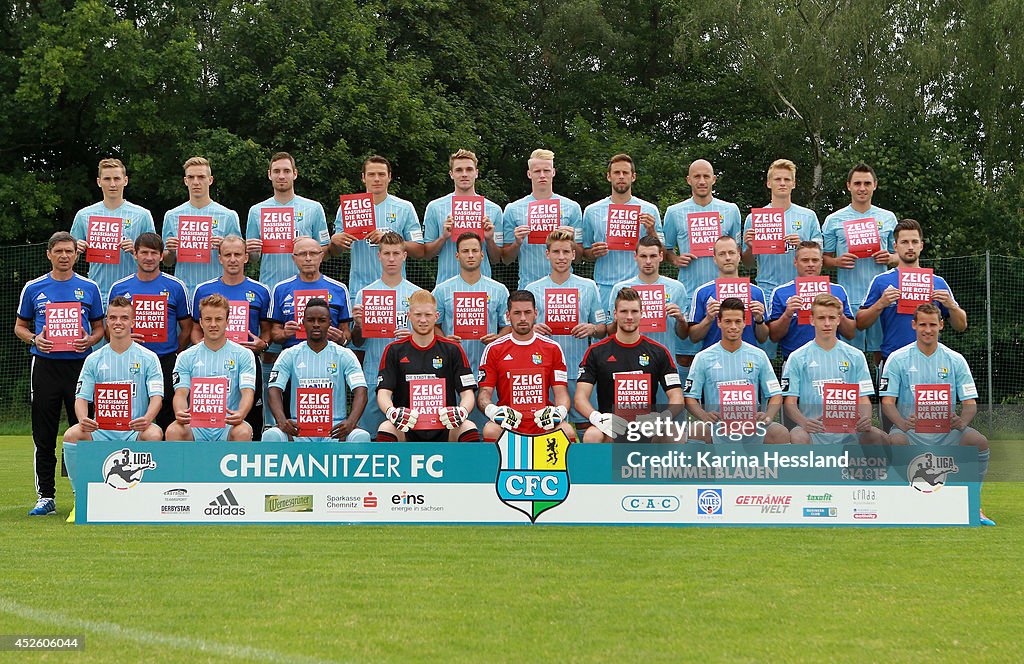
[124,469]
[927,472]
[709,502]
[532,472]
[225,505]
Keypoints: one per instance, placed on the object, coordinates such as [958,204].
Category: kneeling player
[627,368]
[920,385]
[823,367]
[318,371]
[732,376]
[214,382]
[523,366]
[426,386]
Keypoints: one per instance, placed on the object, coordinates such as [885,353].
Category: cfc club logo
[644,360]
[927,472]
[844,366]
[532,475]
[709,502]
[124,469]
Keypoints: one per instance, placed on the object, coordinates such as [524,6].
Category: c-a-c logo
[532,473]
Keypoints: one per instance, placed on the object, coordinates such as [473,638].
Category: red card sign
[469,315]
[542,218]
[299,299]
[104,240]
[916,286]
[427,396]
[632,394]
[194,235]
[738,403]
[151,317]
[808,288]
[652,301]
[529,394]
[209,403]
[840,410]
[561,309]
[862,238]
[735,287]
[623,227]
[934,408]
[705,228]
[64,324]
[238,321]
[277,229]
[113,402]
[467,216]
[357,215]
[315,406]
[769,230]
[380,314]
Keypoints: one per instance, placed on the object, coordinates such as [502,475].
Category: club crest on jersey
[943,372]
[164,291]
[437,362]
[250,296]
[532,473]
[134,368]
[127,223]
[644,360]
[229,365]
[748,367]
[298,215]
[215,221]
[537,358]
[79,294]
[332,368]
[844,366]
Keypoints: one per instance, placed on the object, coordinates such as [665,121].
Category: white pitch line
[71,623]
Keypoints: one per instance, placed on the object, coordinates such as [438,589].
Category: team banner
[103,240]
[862,239]
[561,309]
[151,317]
[543,479]
[542,217]
[380,314]
[705,228]
[238,321]
[769,230]
[623,227]
[916,288]
[738,287]
[808,288]
[467,216]
[277,229]
[63,324]
[195,235]
[652,301]
[358,218]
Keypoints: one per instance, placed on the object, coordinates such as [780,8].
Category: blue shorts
[210,435]
[275,435]
[952,438]
[835,438]
[103,434]
[869,340]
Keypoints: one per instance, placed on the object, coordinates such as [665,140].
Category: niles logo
[124,469]
[225,505]
[650,503]
[709,502]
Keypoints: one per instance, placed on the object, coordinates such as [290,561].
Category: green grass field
[363,593]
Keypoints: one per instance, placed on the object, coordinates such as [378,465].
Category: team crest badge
[844,366]
[537,359]
[332,368]
[250,296]
[134,368]
[229,365]
[215,223]
[79,294]
[532,475]
[298,215]
[644,360]
[943,373]
[127,223]
[748,367]
[437,362]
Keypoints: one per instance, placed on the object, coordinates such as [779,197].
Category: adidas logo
[508,357]
[403,360]
[225,505]
[812,364]
[717,366]
[912,369]
[41,296]
[611,358]
[302,365]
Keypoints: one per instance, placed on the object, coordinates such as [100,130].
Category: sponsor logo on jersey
[532,474]
[928,472]
[124,469]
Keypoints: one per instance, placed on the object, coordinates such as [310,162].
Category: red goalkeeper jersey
[522,373]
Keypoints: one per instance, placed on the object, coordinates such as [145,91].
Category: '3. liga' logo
[124,469]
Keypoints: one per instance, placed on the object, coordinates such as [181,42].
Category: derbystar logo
[225,505]
[175,509]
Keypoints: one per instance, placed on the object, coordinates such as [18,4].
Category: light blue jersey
[715,366]
[137,366]
[677,238]
[391,214]
[225,222]
[533,262]
[857,279]
[811,367]
[776,269]
[135,220]
[675,293]
[333,367]
[908,367]
[373,349]
[433,227]
[497,310]
[310,221]
[232,361]
[616,265]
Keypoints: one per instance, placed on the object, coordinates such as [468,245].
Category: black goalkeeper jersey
[617,370]
[404,362]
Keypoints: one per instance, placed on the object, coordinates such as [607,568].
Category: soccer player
[238,288]
[823,361]
[215,357]
[855,274]
[523,367]
[172,311]
[308,256]
[623,355]
[612,266]
[392,254]
[55,372]
[437,220]
[731,362]
[198,179]
[318,363]
[784,327]
[881,301]
[695,271]
[390,213]
[134,220]
[928,362]
[413,364]
[704,308]
[590,315]
[533,264]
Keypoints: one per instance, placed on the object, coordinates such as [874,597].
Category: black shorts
[427,435]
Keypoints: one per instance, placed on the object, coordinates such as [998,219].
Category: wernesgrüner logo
[123,469]
[276,503]
[927,472]
[532,475]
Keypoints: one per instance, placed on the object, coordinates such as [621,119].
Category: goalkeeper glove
[549,417]
[452,417]
[504,416]
[609,424]
[403,418]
